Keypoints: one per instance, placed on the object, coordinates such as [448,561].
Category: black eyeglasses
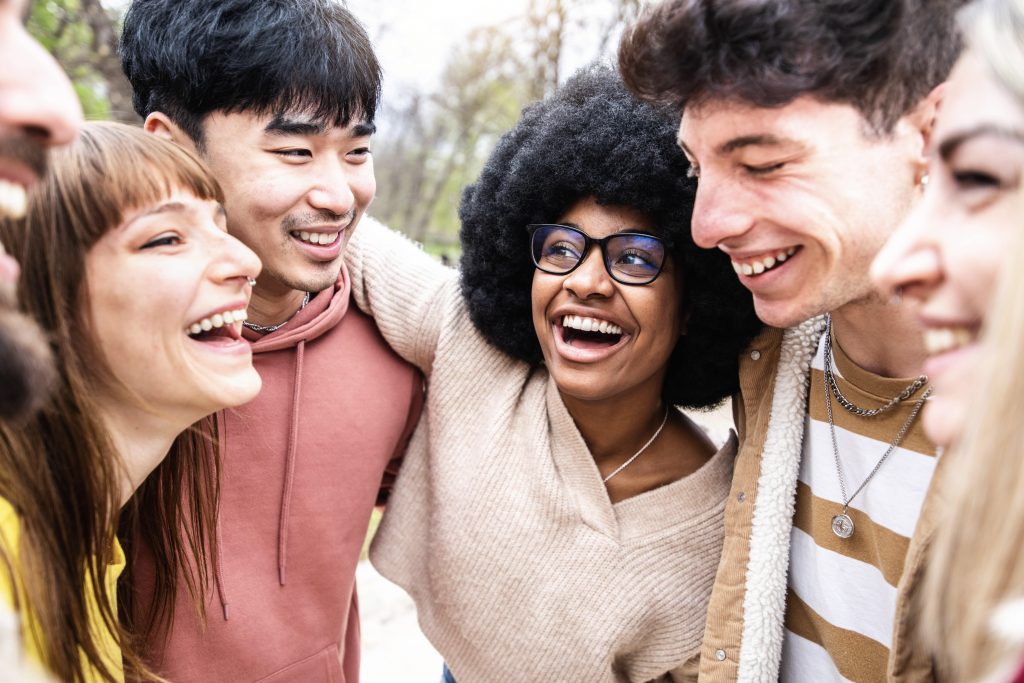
[631,258]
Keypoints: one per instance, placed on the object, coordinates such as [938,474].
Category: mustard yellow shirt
[31,637]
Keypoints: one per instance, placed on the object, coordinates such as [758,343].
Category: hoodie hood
[320,315]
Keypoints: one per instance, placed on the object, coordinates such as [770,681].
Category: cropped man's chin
[27,372]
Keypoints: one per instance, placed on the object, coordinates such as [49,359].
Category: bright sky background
[414,37]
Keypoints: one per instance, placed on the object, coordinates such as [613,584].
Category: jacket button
[755,355]
[720,655]
[741,496]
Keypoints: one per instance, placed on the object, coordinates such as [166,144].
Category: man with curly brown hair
[807,124]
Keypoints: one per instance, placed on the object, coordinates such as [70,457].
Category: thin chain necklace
[850,405]
[642,449]
[267,329]
[842,524]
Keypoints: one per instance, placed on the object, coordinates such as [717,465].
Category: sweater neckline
[685,501]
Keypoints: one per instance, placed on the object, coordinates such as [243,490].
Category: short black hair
[880,56]
[188,58]
[592,138]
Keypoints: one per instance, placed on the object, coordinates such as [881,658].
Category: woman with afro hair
[557,518]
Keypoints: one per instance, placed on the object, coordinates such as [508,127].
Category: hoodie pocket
[321,667]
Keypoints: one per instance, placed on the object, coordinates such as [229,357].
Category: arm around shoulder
[401,287]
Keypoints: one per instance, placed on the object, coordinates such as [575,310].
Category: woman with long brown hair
[128,269]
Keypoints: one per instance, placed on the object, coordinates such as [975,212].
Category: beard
[26,364]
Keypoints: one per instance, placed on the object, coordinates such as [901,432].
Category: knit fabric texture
[500,527]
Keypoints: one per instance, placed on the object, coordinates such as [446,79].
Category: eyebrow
[282,125]
[744,141]
[166,207]
[948,146]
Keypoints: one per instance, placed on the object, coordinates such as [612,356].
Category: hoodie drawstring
[218,571]
[289,471]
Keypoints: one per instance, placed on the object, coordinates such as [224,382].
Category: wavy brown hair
[58,468]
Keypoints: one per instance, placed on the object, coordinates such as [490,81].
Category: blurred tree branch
[82,36]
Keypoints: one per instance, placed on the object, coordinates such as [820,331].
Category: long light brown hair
[976,563]
[59,469]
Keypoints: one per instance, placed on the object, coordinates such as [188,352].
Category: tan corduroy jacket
[746,616]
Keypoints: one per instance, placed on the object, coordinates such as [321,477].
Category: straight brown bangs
[114,168]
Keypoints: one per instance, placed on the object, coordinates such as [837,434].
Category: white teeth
[941,339]
[217,320]
[320,238]
[762,265]
[13,200]
[576,322]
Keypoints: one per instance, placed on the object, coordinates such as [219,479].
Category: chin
[944,419]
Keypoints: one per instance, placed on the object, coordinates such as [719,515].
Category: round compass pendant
[842,525]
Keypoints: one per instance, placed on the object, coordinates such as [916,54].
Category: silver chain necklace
[267,329]
[847,403]
[842,524]
[642,449]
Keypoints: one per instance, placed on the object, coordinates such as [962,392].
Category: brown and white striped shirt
[842,592]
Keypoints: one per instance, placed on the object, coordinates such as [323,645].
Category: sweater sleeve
[401,287]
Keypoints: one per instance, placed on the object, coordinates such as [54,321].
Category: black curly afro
[594,139]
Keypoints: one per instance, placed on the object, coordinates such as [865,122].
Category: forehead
[598,220]
[724,126]
[975,98]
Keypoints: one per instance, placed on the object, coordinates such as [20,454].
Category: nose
[719,212]
[590,279]
[910,261]
[333,188]
[232,261]
[36,97]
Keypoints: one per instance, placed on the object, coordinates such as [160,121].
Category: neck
[273,303]
[142,440]
[616,426]
[882,338]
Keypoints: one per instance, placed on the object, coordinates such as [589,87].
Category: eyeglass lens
[629,258]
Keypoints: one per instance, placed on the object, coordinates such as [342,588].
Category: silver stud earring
[924,180]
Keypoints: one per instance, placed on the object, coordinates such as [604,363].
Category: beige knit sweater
[499,526]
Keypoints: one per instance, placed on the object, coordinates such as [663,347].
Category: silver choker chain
[842,524]
[850,405]
[267,329]
[639,452]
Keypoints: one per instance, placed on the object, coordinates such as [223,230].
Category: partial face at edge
[948,253]
[38,109]
[166,268]
[594,366]
[800,197]
[294,189]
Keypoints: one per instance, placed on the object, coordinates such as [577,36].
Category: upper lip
[586,312]
[326,229]
[930,321]
[15,171]
[738,255]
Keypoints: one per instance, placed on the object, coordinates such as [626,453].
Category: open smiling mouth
[762,264]
[589,333]
[219,327]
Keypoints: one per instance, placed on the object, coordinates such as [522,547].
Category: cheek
[364,185]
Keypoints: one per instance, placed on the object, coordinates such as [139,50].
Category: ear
[922,120]
[160,125]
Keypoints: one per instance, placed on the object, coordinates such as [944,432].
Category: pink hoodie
[302,469]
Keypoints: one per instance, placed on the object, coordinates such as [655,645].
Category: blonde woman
[957,255]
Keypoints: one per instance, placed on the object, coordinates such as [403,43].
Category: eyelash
[162,241]
[764,170]
[293,153]
[975,180]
